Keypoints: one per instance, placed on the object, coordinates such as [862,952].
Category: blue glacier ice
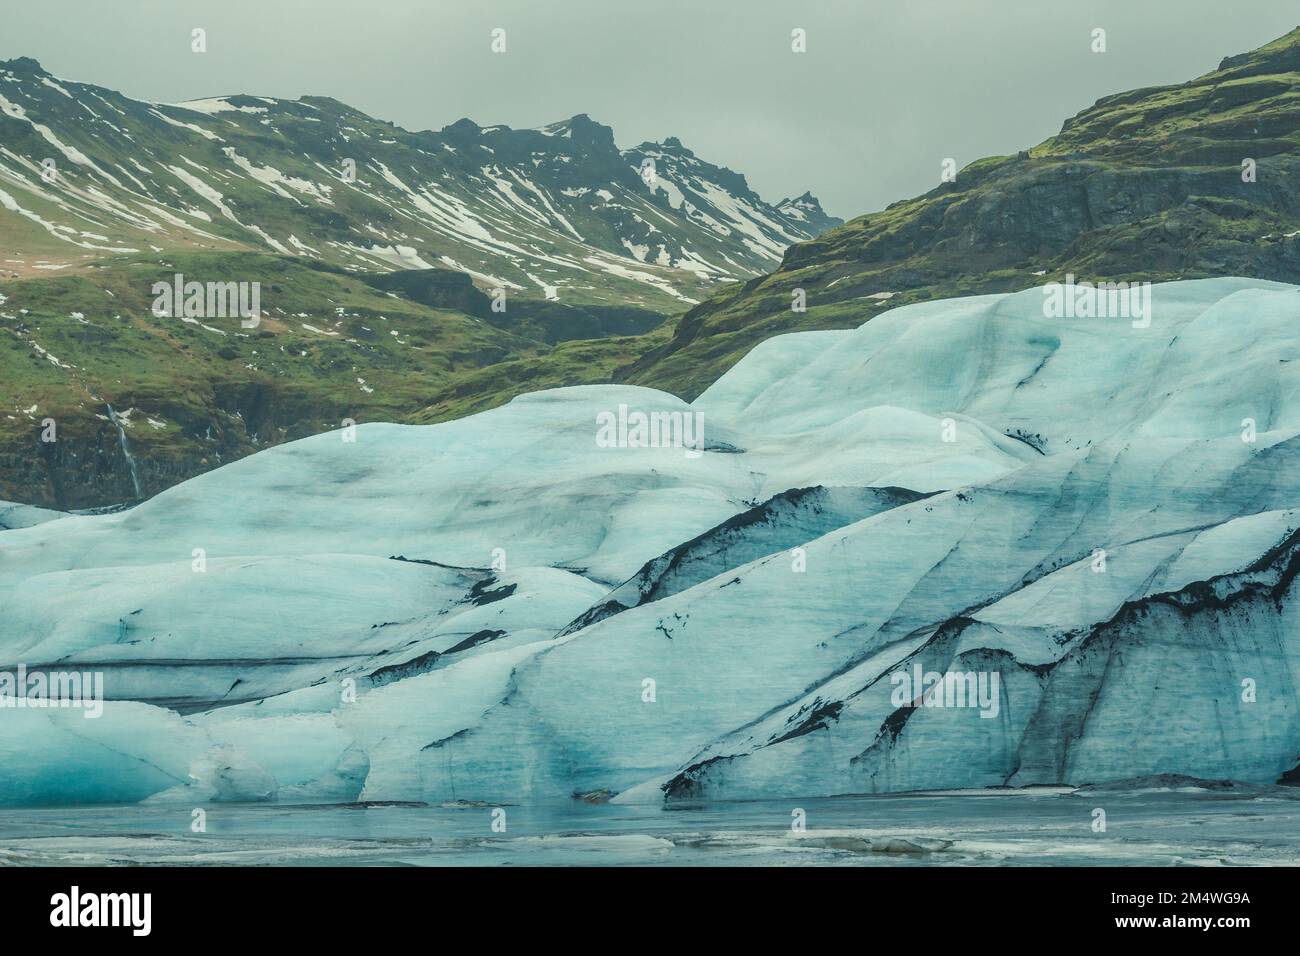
[503,609]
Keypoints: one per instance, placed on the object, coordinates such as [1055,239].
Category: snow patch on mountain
[505,202]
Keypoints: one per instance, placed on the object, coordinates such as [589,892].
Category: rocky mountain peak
[587,132]
[24,64]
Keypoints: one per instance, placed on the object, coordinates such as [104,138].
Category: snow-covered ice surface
[507,610]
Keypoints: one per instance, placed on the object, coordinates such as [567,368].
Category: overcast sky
[885,91]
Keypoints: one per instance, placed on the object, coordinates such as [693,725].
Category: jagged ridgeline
[375,249]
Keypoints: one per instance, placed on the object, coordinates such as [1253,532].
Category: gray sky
[885,91]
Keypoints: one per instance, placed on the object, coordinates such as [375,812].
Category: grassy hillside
[194,393]
[1144,185]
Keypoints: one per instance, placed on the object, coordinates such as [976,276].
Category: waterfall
[126,452]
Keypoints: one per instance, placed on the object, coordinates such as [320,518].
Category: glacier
[501,610]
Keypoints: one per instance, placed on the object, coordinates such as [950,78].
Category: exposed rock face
[86,468]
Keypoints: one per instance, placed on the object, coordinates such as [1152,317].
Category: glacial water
[1260,827]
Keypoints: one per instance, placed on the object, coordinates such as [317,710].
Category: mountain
[1144,185]
[378,289]
[1091,522]
[558,211]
